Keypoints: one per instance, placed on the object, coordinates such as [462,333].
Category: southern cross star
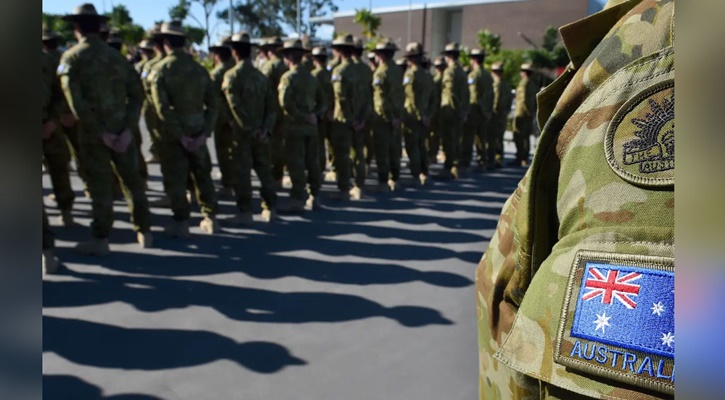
[657,308]
[602,321]
[667,338]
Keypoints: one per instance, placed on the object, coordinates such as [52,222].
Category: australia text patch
[618,319]
[640,140]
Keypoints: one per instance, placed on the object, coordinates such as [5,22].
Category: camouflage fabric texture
[273,69]
[419,105]
[388,100]
[323,124]
[347,105]
[454,107]
[502,100]
[576,199]
[524,114]
[224,127]
[480,86]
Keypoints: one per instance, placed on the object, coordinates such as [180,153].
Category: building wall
[531,18]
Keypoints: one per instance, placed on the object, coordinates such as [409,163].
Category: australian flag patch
[619,319]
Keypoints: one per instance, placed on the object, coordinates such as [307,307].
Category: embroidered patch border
[618,165]
[569,344]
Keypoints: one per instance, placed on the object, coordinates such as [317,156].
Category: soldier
[148,111]
[107,105]
[502,100]
[187,103]
[434,141]
[524,115]
[221,53]
[254,109]
[402,63]
[273,69]
[147,53]
[48,80]
[389,100]
[419,106]
[56,150]
[581,266]
[345,84]
[371,61]
[366,77]
[480,85]
[320,72]
[453,110]
[302,104]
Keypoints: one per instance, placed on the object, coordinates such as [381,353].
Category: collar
[91,38]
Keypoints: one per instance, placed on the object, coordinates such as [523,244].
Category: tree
[489,41]
[61,27]
[120,18]
[270,17]
[369,22]
[182,11]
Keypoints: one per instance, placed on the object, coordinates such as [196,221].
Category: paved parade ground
[365,300]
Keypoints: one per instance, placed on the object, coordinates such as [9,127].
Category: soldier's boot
[225,192]
[190,197]
[145,240]
[66,217]
[178,229]
[499,161]
[209,225]
[51,197]
[455,173]
[331,176]
[165,201]
[312,203]
[94,247]
[50,262]
[286,182]
[356,193]
[152,159]
[441,158]
[293,206]
[524,163]
[86,193]
[241,219]
[393,185]
[269,215]
[423,179]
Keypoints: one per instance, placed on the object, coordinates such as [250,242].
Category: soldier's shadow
[68,387]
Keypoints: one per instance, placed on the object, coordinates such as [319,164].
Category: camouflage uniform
[419,104]
[366,78]
[389,99]
[345,86]
[480,86]
[502,100]
[148,111]
[434,140]
[454,106]
[187,104]
[299,97]
[524,117]
[97,86]
[253,105]
[601,187]
[48,81]
[224,128]
[273,69]
[323,124]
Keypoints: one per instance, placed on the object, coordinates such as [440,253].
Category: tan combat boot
[50,262]
[286,182]
[145,239]
[178,229]
[331,176]
[94,247]
[392,185]
[209,225]
[423,178]
[312,203]
[455,173]
[269,215]
[356,193]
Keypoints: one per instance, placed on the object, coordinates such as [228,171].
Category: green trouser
[450,133]
[101,164]
[369,143]
[48,236]
[388,148]
[248,153]
[341,138]
[223,143]
[471,130]
[522,137]
[72,136]
[152,124]
[56,156]
[142,168]
[277,149]
[498,123]
[301,155]
[415,146]
[434,139]
[323,133]
[485,142]
[177,165]
[357,156]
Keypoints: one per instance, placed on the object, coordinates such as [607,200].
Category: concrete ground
[363,300]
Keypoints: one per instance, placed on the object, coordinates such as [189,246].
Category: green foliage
[268,17]
[465,58]
[512,60]
[61,27]
[195,35]
[180,11]
[207,63]
[370,22]
[120,18]
[489,41]
[551,39]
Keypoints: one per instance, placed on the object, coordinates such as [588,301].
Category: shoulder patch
[406,80]
[640,140]
[618,319]
[144,74]
[335,78]
[62,69]
[471,81]
[376,81]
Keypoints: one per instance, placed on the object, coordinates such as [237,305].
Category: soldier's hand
[312,119]
[109,139]
[200,141]
[122,141]
[48,129]
[187,142]
[68,120]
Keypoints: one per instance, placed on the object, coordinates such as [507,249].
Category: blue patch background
[636,329]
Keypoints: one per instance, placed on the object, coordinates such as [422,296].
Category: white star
[657,308]
[602,321]
[667,338]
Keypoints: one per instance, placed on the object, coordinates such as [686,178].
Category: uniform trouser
[224,143]
[323,133]
[177,164]
[301,155]
[152,124]
[450,130]
[473,128]
[341,138]
[101,164]
[48,236]
[357,157]
[388,149]
[434,139]
[498,129]
[415,146]
[485,142]
[56,156]
[75,148]
[248,153]
[369,143]
[142,168]
[522,137]
[277,149]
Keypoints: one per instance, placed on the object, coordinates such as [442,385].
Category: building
[438,23]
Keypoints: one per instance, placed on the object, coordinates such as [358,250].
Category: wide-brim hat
[477,53]
[344,41]
[273,42]
[452,48]
[497,66]
[221,45]
[241,38]
[413,49]
[49,34]
[172,28]
[401,61]
[145,45]
[86,10]
[526,67]
[385,46]
[292,46]
[319,51]
[359,45]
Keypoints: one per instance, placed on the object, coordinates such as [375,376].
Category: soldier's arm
[419,101]
[497,97]
[271,106]
[320,101]
[531,90]
[343,98]
[211,99]
[70,80]
[232,95]
[448,93]
[162,105]
[135,97]
[432,101]
[287,101]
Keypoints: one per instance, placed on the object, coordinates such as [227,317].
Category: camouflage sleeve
[162,104]
[417,95]
[70,80]
[320,102]
[287,99]
[134,91]
[211,113]
[343,98]
[232,95]
[432,96]
[271,106]
[448,90]
[487,96]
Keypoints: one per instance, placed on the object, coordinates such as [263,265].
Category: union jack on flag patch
[612,286]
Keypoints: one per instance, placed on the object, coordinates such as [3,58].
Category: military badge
[618,319]
[406,80]
[62,69]
[640,140]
